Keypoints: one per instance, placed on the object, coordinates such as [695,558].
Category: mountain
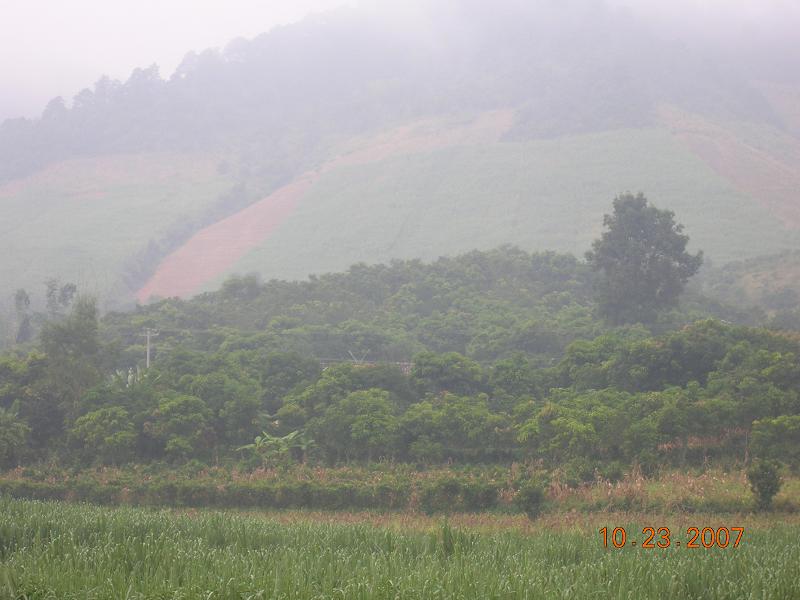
[367,135]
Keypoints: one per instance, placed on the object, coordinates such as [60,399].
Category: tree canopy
[643,259]
[490,357]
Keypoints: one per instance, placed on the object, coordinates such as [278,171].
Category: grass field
[50,550]
[546,194]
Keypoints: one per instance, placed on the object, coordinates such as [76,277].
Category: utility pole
[358,361]
[149,333]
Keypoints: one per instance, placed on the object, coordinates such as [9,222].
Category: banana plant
[304,443]
[272,448]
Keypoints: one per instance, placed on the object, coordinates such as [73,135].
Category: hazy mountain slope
[758,159]
[87,220]
[215,250]
[785,101]
[585,86]
[540,195]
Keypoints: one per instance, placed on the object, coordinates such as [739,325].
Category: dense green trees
[778,438]
[13,434]
[106,434]
[240,368]
[643,257]
[74,360]
[362,425]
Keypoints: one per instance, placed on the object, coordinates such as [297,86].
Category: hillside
[351,137]
[88,220]
[546,194]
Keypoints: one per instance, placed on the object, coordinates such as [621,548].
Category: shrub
[765,481]
[530,499]
[442,495]
[479,496]
[613,471]
[579,471]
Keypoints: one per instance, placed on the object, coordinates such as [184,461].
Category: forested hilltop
[280,99]
[508,361]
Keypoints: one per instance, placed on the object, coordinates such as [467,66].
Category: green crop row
[66,551]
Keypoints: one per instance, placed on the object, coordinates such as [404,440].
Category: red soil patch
[427,135]
[212,250]
[215,249]
[766,170]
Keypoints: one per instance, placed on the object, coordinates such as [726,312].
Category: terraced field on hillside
[213,251]
[83,220]
[418,190]
[548,194]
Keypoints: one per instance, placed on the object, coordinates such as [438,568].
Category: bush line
[450,494]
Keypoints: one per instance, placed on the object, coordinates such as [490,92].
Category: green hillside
[88,220]
[584,101]
[544,194]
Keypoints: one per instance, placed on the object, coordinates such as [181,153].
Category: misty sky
[52,47]
[55,47]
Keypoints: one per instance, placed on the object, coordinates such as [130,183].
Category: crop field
[81,220]
[544,194]
[65,551]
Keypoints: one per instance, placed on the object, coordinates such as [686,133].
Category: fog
[50,48]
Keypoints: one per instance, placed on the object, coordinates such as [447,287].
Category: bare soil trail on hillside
[213,250]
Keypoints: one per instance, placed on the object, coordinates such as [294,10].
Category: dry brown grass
[572,521]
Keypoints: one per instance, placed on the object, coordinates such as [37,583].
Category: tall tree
[642,255]
[13,433]
[74,354]
[22,305]
[59,296]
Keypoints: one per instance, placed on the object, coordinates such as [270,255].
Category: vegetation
[173,155]
[643,259]
[13,434]
[769,282]
[53,550]
[402,489]
[529,499]
[488,358]
[765,481]
[541,194]
[496,388]
[390,73]
[103,222]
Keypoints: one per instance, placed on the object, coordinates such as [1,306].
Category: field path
[215,249]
